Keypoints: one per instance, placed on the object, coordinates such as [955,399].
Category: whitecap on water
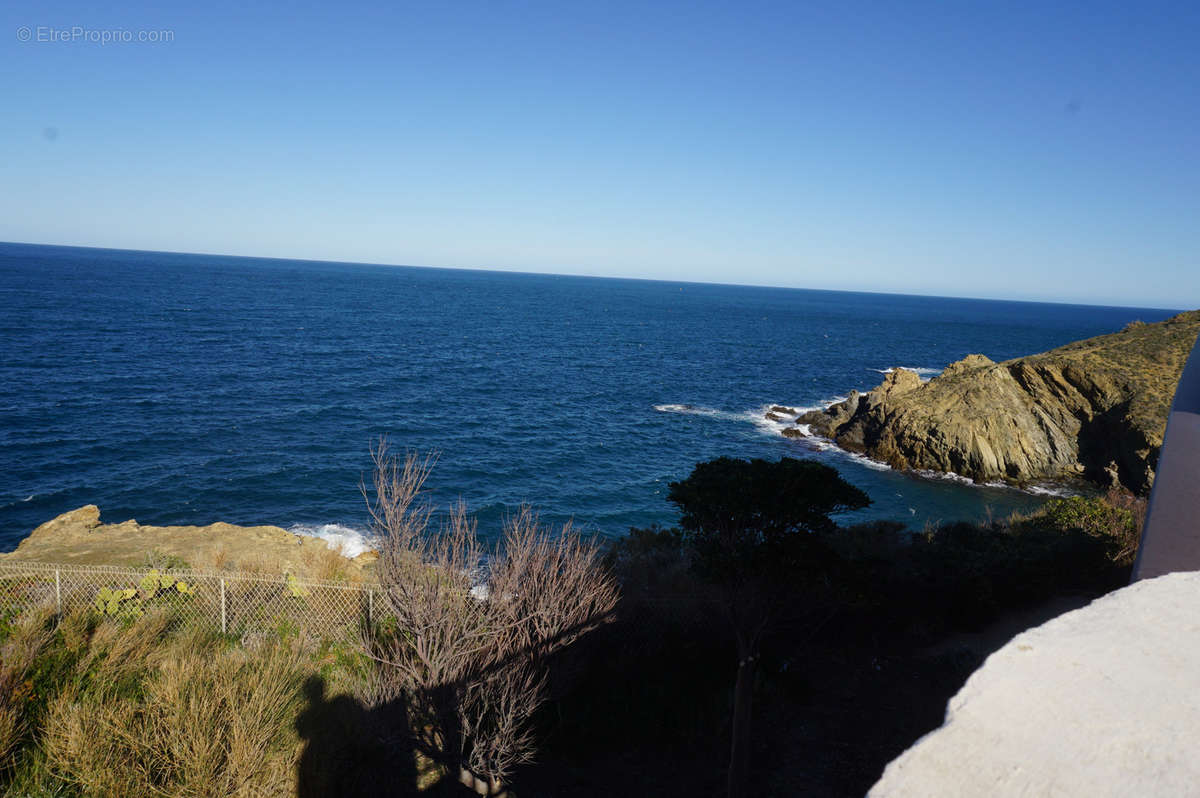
[687,410]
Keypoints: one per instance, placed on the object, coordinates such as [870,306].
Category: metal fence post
[223,627]
[370,607]
[57,594]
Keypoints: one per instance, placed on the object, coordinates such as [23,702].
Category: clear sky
[1012,150]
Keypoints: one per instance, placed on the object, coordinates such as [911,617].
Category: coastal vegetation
[568,670]
[472,634]
[869,640]
[107,706]
[747,525]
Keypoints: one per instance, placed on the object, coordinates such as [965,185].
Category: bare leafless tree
[475,629]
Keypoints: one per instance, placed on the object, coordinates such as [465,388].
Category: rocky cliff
[1095,409]
[78,537]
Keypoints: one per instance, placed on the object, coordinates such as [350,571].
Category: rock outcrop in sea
[1095,409]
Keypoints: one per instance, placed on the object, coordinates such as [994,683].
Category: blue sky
[969,149]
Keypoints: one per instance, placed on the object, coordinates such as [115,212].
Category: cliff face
[1095,409]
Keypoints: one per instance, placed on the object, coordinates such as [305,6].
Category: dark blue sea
[177,388]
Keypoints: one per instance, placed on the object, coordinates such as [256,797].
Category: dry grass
[328,565]
[218,560]
[1126,525]
[155,712]
[315,562]
[259,564]
[26,641]
[1147,359]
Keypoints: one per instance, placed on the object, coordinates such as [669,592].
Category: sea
[188,389]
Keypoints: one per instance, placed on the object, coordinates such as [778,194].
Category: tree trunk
[489,786]
[743,706]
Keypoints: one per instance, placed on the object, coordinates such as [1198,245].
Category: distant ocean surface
[188,389]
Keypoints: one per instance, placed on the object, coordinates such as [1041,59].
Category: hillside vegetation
[876,632]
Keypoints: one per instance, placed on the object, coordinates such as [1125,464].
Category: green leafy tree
[750,525]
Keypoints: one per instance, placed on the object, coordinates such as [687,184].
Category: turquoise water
[192,388]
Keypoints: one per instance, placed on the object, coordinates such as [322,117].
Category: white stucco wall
[1101,701]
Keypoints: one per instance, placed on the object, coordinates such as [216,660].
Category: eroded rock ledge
[79,537]
[1095,409]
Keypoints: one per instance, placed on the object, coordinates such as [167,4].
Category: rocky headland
[78,537]
[1094,409]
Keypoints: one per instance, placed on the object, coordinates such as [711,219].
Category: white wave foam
[826,445]
[825,404]
[1039,489]
[347,541]
[758,417]
[774,426]
[29,498]
[1050,490]
[917,369]
[689,410]
[950,476]
[861,459]
[924,372]
[945,476]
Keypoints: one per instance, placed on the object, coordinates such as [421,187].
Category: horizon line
[593,276]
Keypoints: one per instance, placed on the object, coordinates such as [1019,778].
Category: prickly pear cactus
[295,588]
[151,583]
[128,602]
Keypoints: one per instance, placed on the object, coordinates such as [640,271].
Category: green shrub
[162,561]
[1115,518]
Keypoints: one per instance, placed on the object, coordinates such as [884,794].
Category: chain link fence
[235,603]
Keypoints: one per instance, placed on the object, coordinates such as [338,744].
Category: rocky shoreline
[78,537]
[1094,409]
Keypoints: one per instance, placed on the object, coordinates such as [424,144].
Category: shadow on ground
[353,751]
